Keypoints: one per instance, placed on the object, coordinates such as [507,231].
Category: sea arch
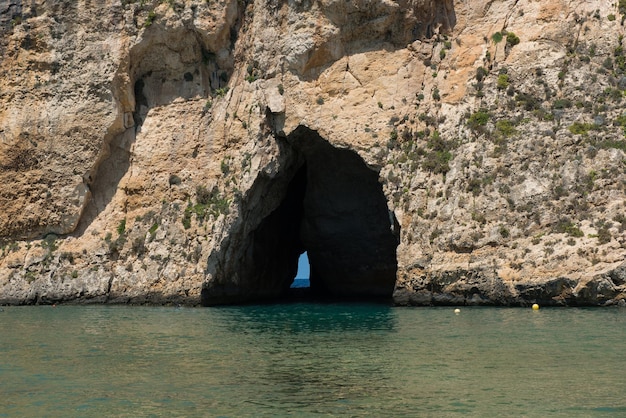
[330,204]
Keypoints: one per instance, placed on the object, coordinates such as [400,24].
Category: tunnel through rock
[332,207]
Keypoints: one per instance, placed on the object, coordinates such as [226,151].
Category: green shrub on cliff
[481,73]
[436,94]
[207,203]
[252,73]
[221,92]
[503,81]
[578,128]
[187,216]
[477,120]
[505,128]
[562,104]
[121,227]
[149,19]
[527,101]
[565,226]
[512,39]
[608,143]
[437,162]
[437,159]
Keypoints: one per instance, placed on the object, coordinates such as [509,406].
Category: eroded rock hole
[304,273]
[141,103]
[333,208]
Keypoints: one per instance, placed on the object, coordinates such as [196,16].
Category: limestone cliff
[436,152]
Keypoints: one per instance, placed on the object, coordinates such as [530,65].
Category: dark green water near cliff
[311,360]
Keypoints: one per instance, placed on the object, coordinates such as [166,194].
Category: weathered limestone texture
[429,152]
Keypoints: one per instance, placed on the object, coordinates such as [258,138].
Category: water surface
[303,359]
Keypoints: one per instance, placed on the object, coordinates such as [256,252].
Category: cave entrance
[331,205]
[344,224]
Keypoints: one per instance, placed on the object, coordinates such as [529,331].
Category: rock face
[433,152]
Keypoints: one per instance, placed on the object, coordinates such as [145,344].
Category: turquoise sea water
[300,283]
[303,359]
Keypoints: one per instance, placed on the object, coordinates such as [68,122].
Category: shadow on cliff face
[347,28]
[166,66]
[330,204]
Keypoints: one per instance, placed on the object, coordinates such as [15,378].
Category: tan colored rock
[157,153]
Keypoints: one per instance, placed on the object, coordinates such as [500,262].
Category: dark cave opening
[332,207]
[346,228]
[141,104]
[276,243]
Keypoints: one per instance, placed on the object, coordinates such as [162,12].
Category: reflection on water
[311,318]
[304,359]
[324,347]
